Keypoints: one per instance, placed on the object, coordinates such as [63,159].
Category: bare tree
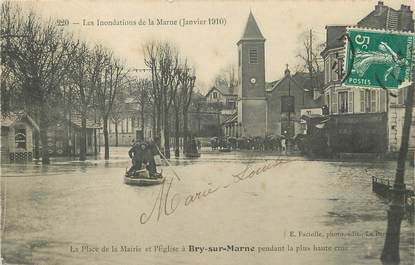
[169,65]
[163,60]
[110,75]
[150,50]
[141,90]
[309,55]
[177,106]
[41,60]
[81,76]
[118,112]
[227,77]
[10,31]
[187,84]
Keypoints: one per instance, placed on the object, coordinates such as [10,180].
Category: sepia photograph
[223,132]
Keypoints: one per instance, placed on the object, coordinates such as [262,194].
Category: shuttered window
[343,102]
[253,56]
[382,101]
[362,101]
[369,100]
[334,66]
[334,103]
[350,107]
[373,102]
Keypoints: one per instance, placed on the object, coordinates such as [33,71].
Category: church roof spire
[252,31]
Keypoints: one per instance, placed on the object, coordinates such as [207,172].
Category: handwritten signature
[167,201]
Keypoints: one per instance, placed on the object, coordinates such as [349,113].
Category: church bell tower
[251,71]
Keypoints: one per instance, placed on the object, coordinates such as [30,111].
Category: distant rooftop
[382,17]
[224,89]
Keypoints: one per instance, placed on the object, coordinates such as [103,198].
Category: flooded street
[228,208]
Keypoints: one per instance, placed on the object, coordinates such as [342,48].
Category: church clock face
[253,80]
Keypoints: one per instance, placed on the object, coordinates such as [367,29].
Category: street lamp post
[390,253]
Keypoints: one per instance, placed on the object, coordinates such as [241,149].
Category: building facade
[361,107]
[64,137]
[263,108]
[223,97]
[287,99]
[128,125]
[18,132]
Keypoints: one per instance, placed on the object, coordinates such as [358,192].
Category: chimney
[405,8]
[379,8]
[406,18]
[287,71]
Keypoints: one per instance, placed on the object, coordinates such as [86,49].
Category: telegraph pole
[390,253]
[288,143]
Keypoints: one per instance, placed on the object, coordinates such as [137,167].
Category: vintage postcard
[207,132]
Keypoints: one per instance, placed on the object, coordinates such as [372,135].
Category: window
[287,104]
[239,57]
[365,101]
[351,99]
[231,104]
[326,70]
[334,103]
[334,67]
[343,102]
[20,138]
[215,95]
[339,70]
[253,56]
[373,105]
[368,102]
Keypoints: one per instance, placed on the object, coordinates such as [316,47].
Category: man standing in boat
[136,153]
[149,153]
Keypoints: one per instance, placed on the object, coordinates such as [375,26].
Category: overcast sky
[209,48]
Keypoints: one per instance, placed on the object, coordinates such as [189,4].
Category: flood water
[291,212]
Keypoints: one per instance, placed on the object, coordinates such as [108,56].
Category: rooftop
[252,31]
[9,119]
[224,89]
[382,17]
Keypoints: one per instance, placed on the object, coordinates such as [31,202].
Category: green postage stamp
[378,59]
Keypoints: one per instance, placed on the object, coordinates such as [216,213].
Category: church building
[272,108]
[252,105]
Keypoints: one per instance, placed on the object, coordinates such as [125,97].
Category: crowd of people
[269,143]
[142,152]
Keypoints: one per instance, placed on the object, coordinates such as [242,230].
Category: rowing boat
[142,178]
